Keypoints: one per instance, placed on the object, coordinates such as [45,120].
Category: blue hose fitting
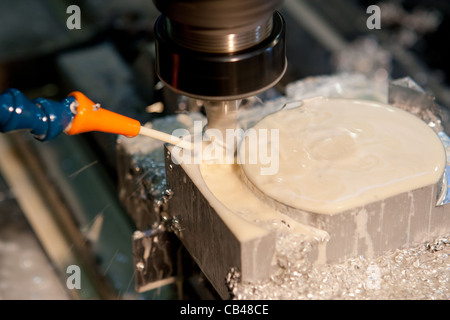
[44,118]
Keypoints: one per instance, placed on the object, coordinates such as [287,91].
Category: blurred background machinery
[64,206]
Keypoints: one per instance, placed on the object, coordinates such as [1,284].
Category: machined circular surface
[332,155]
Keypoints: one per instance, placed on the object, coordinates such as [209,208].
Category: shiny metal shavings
[422,272]
[407,95]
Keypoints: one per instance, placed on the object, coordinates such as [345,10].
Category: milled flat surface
[339,154]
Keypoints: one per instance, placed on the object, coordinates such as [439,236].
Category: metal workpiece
[280,253]
[422,212]
[402,222]
[208,231]
[285,256]
[393,257]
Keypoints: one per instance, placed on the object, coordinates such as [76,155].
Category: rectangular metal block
[210,239]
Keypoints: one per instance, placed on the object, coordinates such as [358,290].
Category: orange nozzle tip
[91,117]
